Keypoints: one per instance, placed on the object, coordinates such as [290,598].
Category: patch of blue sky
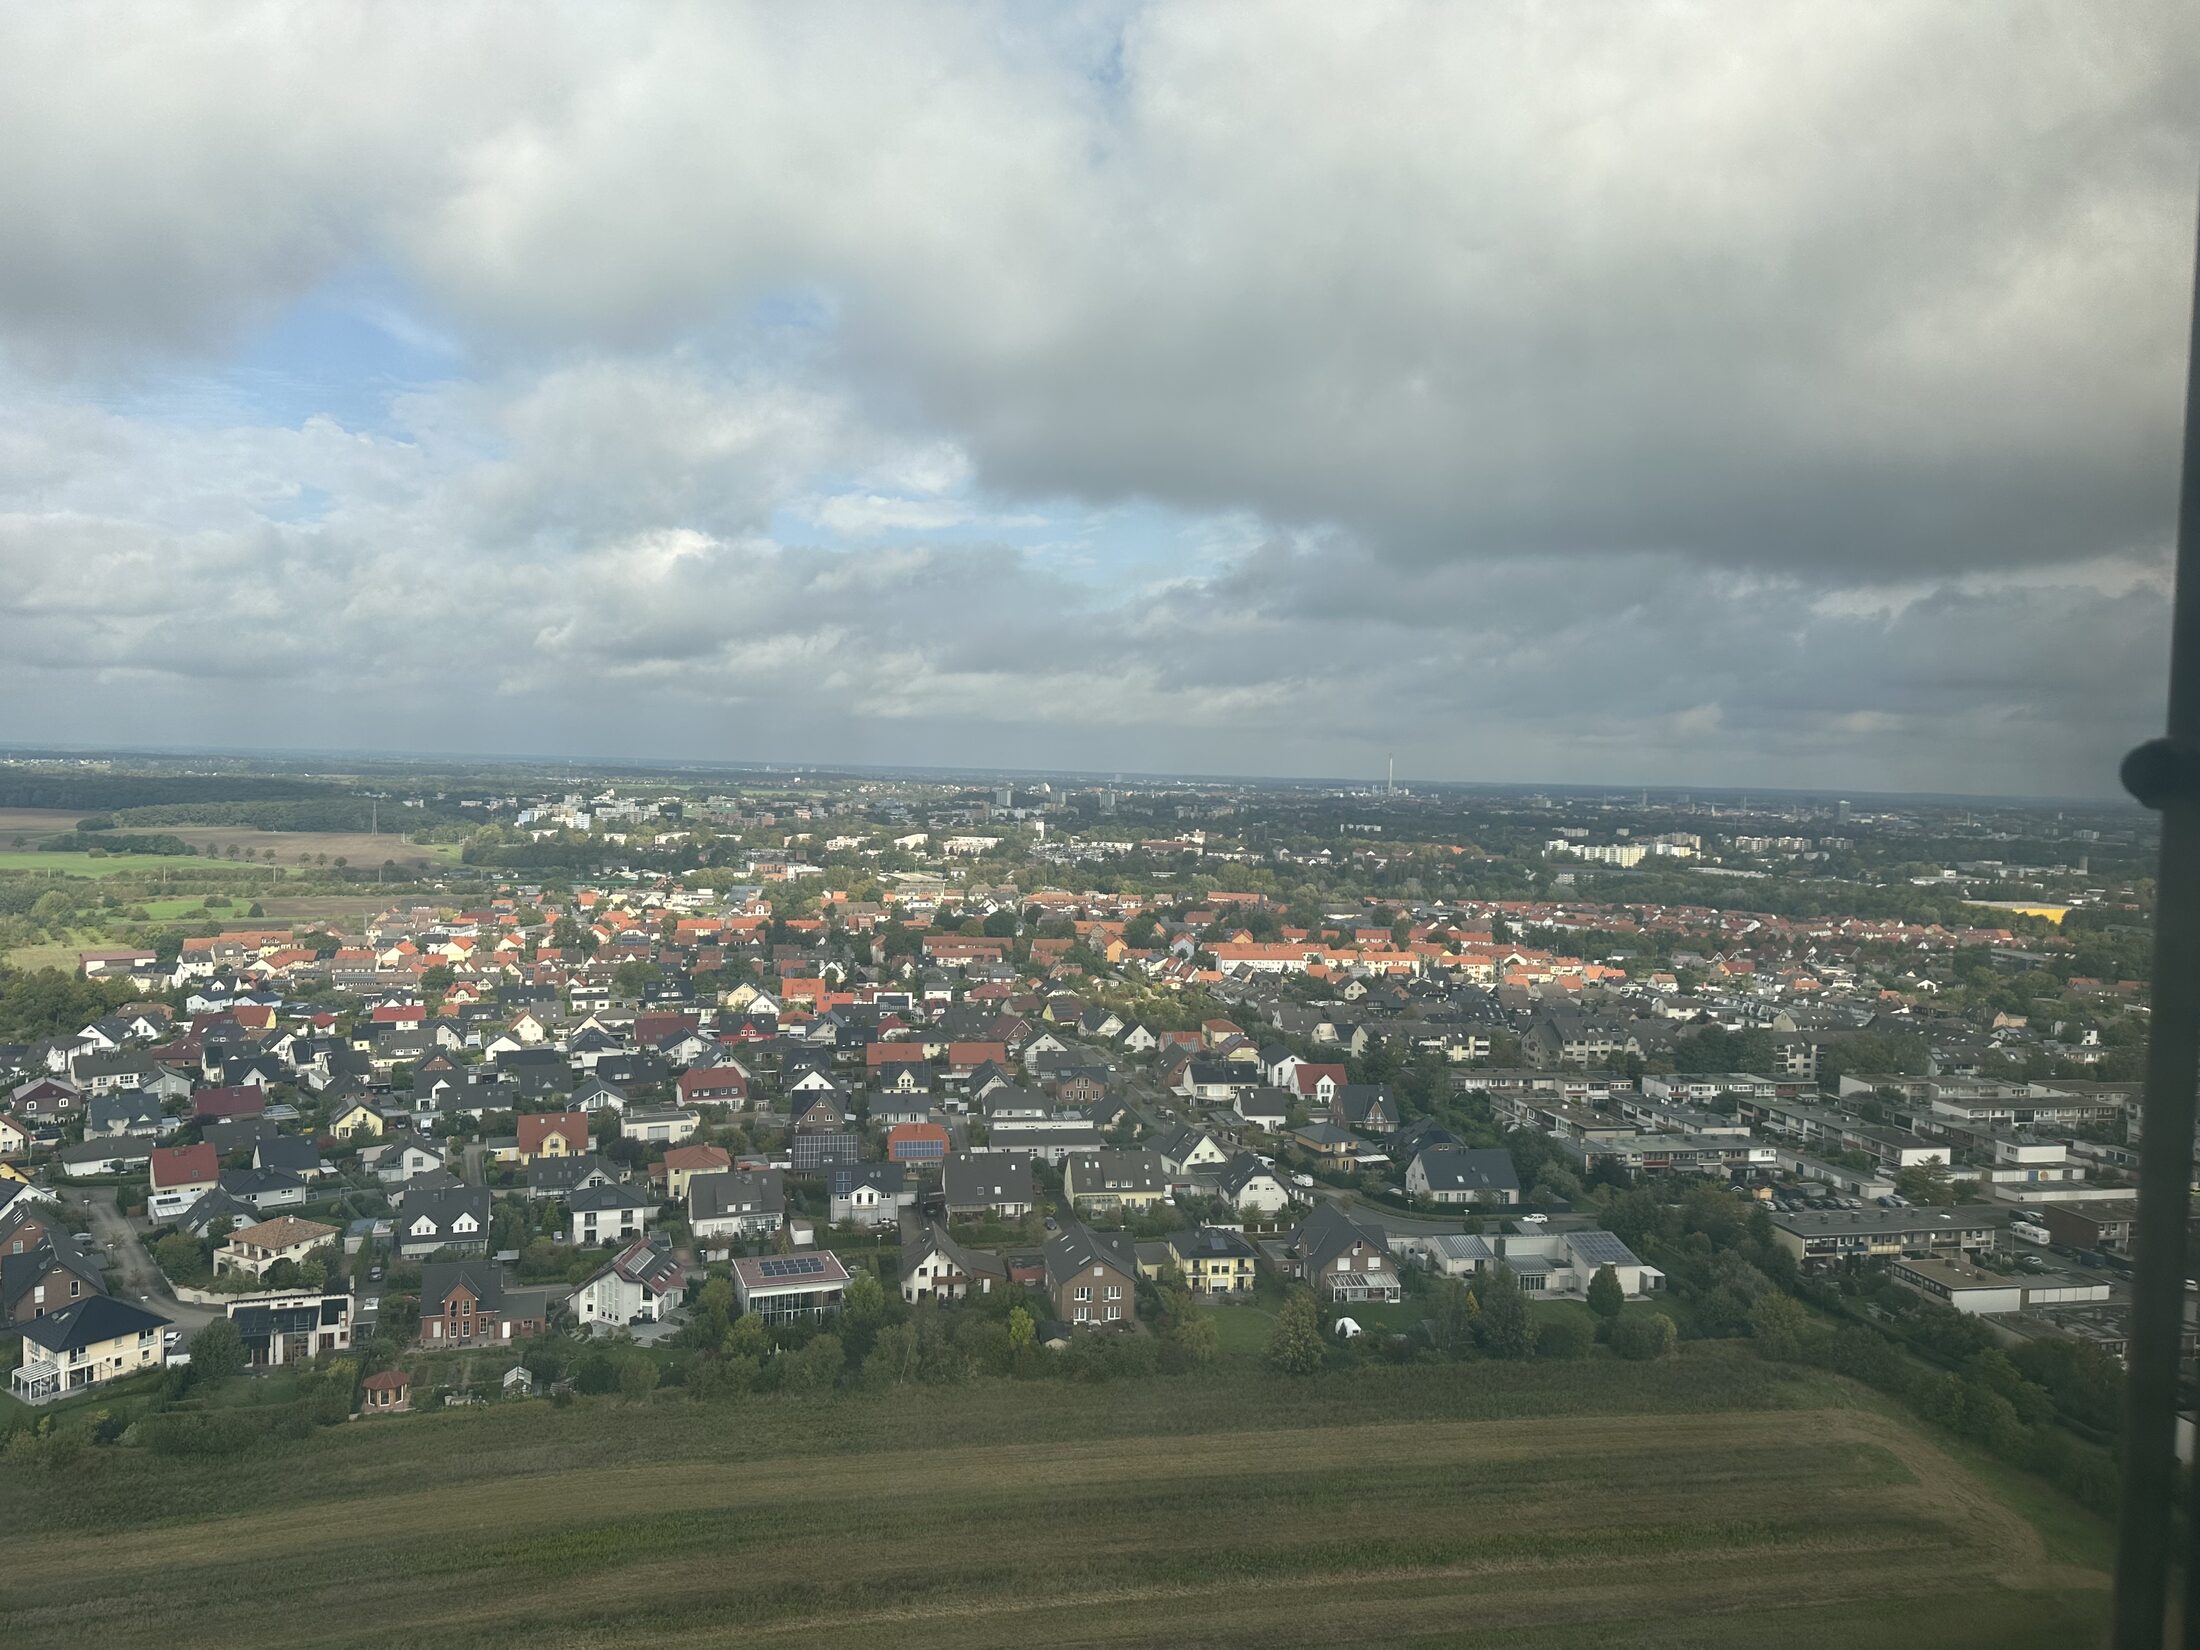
[1110,547]
[343,351]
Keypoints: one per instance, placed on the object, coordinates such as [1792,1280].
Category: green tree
[816,1367]
[632,978]
[217,1351]
[637,1377]
[1606,1299]
[1452,1319]
[748,1338]
[1193,1340]
[1563,1337]
[863,1303]
[1295,1347]
[180,1258]
[1779,1324]
[1644,1338]
[713,1313]
[1021,1327]
[1000,925]
[1927,1184]
[1501,1328]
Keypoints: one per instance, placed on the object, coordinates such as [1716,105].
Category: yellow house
[1213,1262]
[1103,1181]
[684,1163]
[356,1120]
[99,1339]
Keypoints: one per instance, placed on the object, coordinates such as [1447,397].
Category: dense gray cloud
[1758,391]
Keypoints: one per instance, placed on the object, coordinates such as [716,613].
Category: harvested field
[1788,1526]
[36,822]
[361,849]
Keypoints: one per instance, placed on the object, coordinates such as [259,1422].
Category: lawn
[1243,1330]
[1708,1501]
[103,865]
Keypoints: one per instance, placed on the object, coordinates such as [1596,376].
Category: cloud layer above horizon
[1748,393]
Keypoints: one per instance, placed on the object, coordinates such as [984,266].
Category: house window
[1084,1292]
[1114,1312]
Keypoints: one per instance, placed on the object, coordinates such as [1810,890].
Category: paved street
[118,1240]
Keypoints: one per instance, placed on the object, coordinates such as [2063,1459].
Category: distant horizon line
[41,751]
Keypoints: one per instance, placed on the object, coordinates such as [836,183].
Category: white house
[610,1213]
[1557,1263]
[737,1204]
[659,1128]
[1254,1187]
[868,1194]
[1184,1149]
[640,1284]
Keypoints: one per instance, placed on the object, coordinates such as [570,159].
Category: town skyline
[600,764]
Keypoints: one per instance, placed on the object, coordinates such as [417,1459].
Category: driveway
[141,1282]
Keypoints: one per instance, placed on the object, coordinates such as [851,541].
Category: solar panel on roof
[791,1266]
[1601,1248]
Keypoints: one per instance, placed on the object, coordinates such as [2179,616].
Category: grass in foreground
[1463,1505]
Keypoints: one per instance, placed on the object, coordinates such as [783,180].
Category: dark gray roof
[712,1196]
[91,1320]
[439,1278]
[1451,1168]
[981,1179]
[844,1178]
[20,1273]
[1077,1248]
[1328,1232]
[288,1151]
[1212,1241]
[615,1195]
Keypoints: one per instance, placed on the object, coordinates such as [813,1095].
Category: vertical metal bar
[2165,774]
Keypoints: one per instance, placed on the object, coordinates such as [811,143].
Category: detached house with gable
[640,1284]
[1343,1258]
[726,1208]
[432,1218]
[1092,1277]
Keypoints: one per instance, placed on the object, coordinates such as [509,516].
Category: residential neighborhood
[829,1114]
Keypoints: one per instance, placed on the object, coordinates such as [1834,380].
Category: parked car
[1533,1220]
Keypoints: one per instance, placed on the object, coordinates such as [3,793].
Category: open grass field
[1558,1506]
[88,865]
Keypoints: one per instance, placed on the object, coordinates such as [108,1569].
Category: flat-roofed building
[2105,1225]
[1816,1236]
[780,1288]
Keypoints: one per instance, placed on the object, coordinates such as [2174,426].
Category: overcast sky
[1750,393]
